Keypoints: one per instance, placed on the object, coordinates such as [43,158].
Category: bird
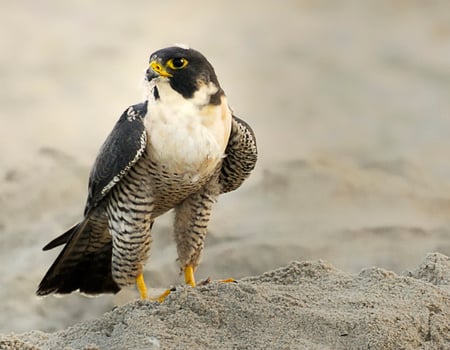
[178,150]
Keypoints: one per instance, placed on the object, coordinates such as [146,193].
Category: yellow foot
[190,278]
[140,284]
[142,288]
[208,281]
[163,296]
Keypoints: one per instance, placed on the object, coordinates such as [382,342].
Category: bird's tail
[64,238]
[76,267]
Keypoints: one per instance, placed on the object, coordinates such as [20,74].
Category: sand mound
[305,305]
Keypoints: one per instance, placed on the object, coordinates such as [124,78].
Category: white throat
[187,136]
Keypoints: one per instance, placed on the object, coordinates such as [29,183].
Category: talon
[205,282]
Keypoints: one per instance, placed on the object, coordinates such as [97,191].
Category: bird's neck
[188,133]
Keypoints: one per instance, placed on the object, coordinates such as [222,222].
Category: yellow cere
[159,69]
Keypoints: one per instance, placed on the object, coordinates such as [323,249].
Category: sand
[305,305]
[350,104]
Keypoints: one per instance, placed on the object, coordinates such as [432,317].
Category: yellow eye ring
[177,63]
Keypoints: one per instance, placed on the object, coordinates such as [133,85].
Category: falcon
[179,149]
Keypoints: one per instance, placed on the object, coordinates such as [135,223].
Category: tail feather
[76,267]
[64,238]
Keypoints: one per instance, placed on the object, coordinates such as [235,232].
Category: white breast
[184,135]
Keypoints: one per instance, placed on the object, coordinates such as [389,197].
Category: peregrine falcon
[180,149]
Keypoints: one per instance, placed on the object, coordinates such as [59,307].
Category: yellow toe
[228,280]
[161,297]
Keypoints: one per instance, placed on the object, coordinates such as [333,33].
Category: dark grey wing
[240,156]
[122,149]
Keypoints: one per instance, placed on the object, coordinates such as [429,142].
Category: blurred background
[349,100]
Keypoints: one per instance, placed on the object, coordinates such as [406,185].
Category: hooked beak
[156,69]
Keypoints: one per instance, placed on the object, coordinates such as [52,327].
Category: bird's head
[186,71]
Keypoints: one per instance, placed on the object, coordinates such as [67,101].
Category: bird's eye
[177,63]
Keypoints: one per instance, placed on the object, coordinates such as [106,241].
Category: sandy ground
[305,305]
[349,101]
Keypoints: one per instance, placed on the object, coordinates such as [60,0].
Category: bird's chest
[186,141]
[170,188]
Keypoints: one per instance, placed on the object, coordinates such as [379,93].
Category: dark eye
[177,63]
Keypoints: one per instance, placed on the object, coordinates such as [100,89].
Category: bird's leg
[142,288]
[130,227]
[191,225]
[189,275]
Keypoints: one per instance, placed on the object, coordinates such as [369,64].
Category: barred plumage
[241,155]
[191,223]
[129,209]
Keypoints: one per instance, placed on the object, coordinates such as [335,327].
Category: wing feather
[122,149]
[241,155]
